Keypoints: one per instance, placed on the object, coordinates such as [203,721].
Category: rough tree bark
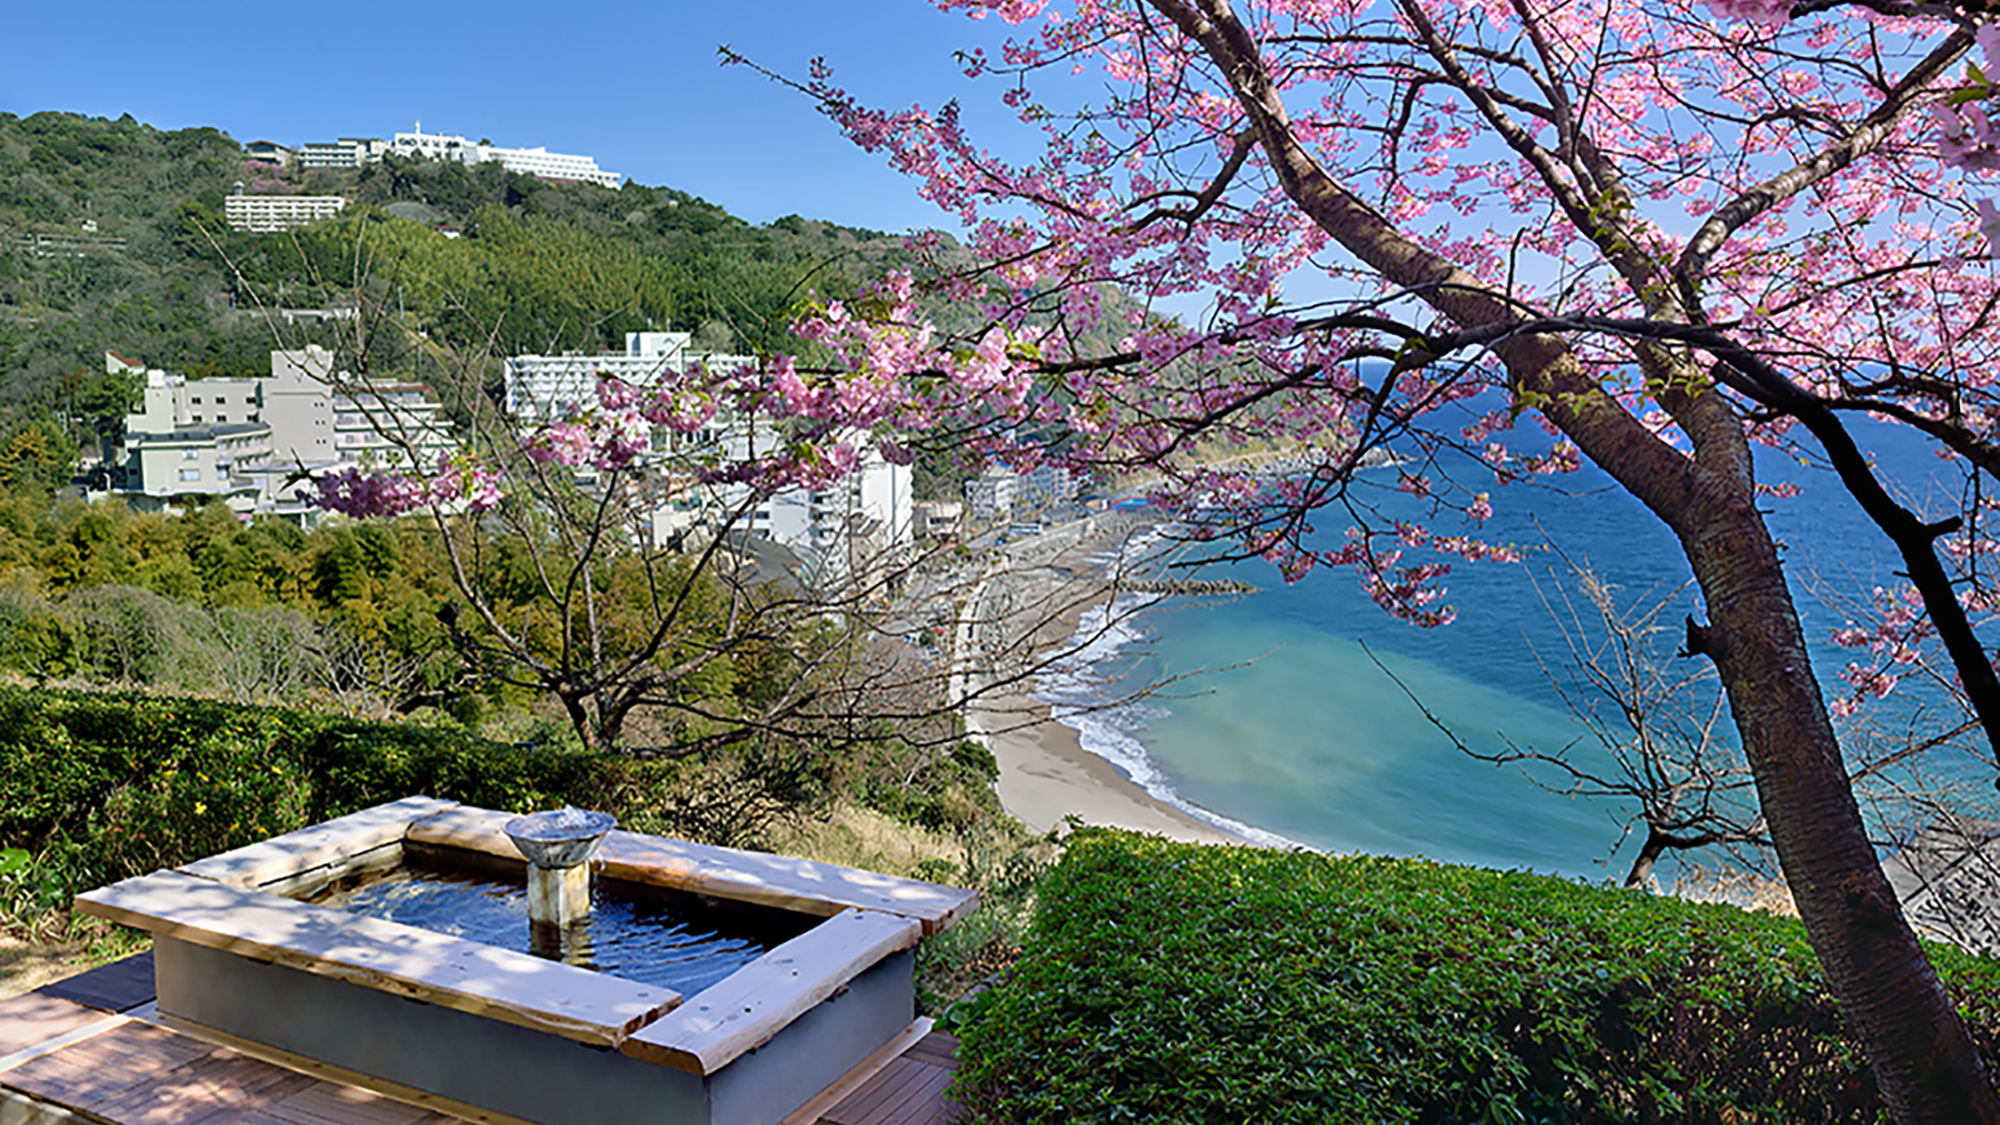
[1924,1061]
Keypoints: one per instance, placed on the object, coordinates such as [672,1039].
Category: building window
[221,472]
[190,454]
[190,474]
[196,400]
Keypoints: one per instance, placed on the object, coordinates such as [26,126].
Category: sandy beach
[1029,605]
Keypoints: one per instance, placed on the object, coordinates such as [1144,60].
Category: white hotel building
[354,152]
[542,388]
[264,214]
[535,161]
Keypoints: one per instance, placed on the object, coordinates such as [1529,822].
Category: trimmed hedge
[96,787]
[1174,982]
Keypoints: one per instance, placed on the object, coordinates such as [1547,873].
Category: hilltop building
[271,152]
[354,152]
[347,152]
[264,214]
[537,161]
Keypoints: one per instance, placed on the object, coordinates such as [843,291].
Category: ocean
[1269,717]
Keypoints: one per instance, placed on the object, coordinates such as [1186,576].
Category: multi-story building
[537,161]
[325,417]
[270,152]
[990,495]
[845,529]
[264,214]
[347,152]
[542,388]
[172,454]
[240,439]
[1000,492]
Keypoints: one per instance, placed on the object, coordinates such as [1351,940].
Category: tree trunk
[1649,854]
[579,719]
[1924,1061]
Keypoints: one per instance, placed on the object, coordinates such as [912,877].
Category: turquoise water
[1288,731]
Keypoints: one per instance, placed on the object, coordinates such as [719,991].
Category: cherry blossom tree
[1658,230]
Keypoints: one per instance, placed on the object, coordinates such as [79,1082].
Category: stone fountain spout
[558,843]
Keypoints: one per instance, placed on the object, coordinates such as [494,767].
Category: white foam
[1085,696]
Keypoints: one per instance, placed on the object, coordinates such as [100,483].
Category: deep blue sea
[1287,731]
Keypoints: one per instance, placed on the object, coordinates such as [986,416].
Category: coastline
[1030,603]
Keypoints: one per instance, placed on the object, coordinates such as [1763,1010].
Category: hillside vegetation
[540,267]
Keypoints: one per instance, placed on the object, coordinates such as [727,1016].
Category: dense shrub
[97,787]
[1169,982]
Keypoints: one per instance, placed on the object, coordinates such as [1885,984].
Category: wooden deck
[89,1049]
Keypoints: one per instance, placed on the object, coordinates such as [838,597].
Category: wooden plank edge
[670,1041]
[819,1104]
[958,912]
[75,1035]
[339,1075]
[381,980]
[17,1108]
[268,861]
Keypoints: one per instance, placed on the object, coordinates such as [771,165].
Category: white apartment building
[263,214]
[347,152]
[537,161]
[542,388]
[841,530]
[990,495]
[999,492]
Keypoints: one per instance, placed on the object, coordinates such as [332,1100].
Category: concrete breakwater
[1197,587]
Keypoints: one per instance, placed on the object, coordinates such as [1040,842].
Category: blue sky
[637,86]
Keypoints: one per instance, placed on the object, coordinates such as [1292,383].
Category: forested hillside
[112,238]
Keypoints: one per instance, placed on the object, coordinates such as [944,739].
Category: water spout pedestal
[558,845]
[560,896]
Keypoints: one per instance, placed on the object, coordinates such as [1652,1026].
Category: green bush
[99,786]
[1171,982]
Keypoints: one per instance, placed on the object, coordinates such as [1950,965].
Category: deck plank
[34,1017]
[896,1110]
[910,1090]
[326,1103]
[140,1074]
[895,1078]
[219,1084]
[99,1069]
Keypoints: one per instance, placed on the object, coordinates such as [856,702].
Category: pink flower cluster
[1894,643]
[363,495]
[1770,13]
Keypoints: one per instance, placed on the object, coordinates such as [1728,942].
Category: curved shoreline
[1042,590]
